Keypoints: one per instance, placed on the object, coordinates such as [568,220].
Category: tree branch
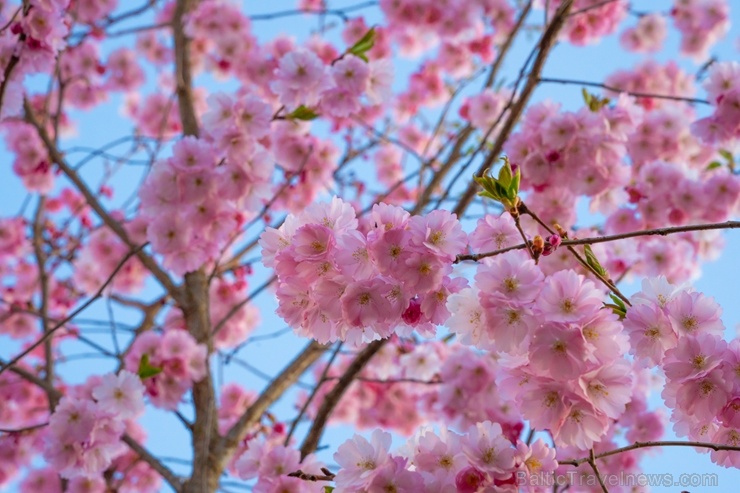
[639,445]
[333,397]
[109,221]
[69,317]
[604,239]
[544,46]
[277,387]
[618,90]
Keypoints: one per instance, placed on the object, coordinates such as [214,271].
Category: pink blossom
[651,333]
[469,480]
[692,313]
[360,459]
[567,297]
[487,449]
[558,348]
[121,395]
[365,303]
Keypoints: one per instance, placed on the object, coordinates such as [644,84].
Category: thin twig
[321,381]
[333,397]
[592,463]
[605,239]
[618,90]
[639,445]
[72,315]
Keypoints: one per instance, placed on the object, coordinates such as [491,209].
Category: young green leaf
[616,310]
[593,262]
[714,165]
[303,113]
[364,45]
[146,370]
[617,301]
[726,154]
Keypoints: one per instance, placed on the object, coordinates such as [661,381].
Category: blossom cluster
[193,206]
[340,281]
[270,461]
[176,356]
[481,459]
[590,20]
[85,431]
[408,385]
[647,36]
[681,331]
[102,255]
[651,77]
[566,371]
[566,154]
[701,23]
[723,125]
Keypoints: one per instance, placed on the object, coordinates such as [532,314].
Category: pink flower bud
[412,315]
[469,480]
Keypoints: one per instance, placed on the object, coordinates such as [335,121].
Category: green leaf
[145,369]
[714,165]
[514,187]
[726,154]
[303,113]
[587,97]
[364,45]
[617,301]
[500,190]
[617,310]
[593,262]
[328,489]
[504,175]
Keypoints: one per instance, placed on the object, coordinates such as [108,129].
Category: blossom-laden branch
[56,156]
[544,46]
[55,394]
[48,333]
[476,257]
[618,90]
[638,445]
[597,271]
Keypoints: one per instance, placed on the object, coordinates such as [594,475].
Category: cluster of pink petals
[481,459]
[13,242]
[193,205]
[270,461]
[647,36]
[102,254]
[566,374]
[84,434]
[681,332]
[650,77]
[181,359]
[31,163]
[484,110]
[701,24]
[340,281]
[722,127]
[24,405]
[565,154]
[590,20]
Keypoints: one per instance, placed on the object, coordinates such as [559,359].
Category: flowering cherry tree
[414,215]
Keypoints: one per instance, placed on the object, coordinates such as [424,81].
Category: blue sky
[104,124]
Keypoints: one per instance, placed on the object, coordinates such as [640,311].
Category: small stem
[524,237]
[592,462]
